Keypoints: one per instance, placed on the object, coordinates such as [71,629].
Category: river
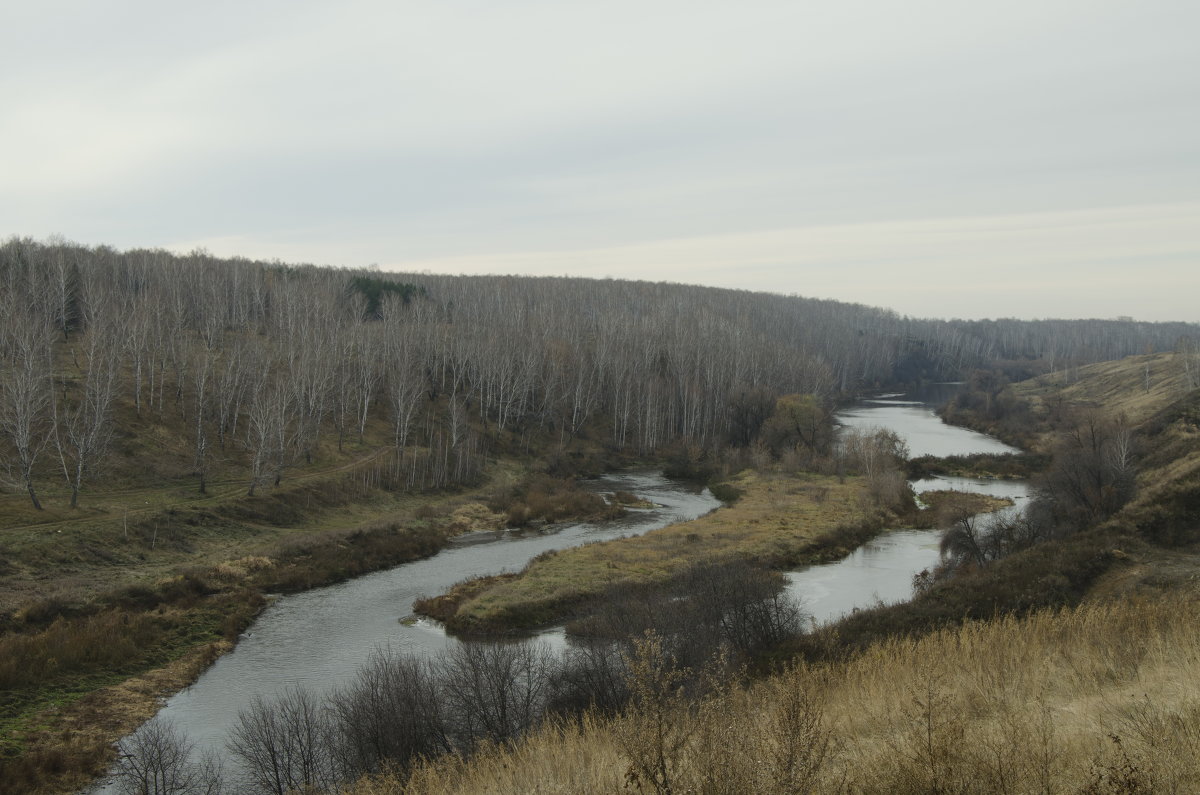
[882,569]
[317,639]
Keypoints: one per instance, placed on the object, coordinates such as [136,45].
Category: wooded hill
[241,368]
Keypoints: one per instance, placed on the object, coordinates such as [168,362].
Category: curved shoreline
[782,522]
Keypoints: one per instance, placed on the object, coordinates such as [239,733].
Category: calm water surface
[882,569]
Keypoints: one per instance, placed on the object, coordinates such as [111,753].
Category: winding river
[882,569]
[317,639]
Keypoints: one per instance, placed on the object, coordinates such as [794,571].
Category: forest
[263,361]
[181,435]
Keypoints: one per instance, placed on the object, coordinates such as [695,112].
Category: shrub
[726,493]
[113,639]
[549,499]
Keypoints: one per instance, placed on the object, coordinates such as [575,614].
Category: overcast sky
[945,159]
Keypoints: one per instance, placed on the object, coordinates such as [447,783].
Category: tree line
[261,362]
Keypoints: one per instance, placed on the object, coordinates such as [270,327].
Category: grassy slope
[144,518]
[1000,706]
[62,705]
[163,578]
[92,553]
[1137,386]
[1150,391]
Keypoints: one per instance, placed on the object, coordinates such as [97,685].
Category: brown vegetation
[543,498]
[779,521]
[998,679]
[182,433]
[1092,699]
[56,652]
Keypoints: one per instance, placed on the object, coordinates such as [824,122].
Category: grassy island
[780,520]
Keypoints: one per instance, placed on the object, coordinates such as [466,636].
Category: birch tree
[25,388]
[83,416]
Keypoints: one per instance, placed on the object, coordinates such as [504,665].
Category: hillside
[1096,699]
[1136,386]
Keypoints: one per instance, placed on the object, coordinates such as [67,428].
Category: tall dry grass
[114,638]
[1099,699]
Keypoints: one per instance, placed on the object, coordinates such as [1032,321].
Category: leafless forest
[263,360]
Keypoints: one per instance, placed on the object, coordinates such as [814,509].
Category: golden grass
[1136,386]
[240,569]
[1006,705]
[775,520]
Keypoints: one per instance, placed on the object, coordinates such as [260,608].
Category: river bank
[1062,667]
[98,653]
[780,520]
[318,638]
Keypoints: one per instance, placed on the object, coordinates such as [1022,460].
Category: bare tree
[405,388]
[964,542]
[388,715]
[591,676]
[157,760]
[283,744]
[201,368]
[231,377]
[83,421]
[25,388]
[270,430]
[1092,474]
[1187,353]
[62,277]
[495,691]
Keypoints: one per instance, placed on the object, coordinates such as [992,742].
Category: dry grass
[73,740]
[776,520]
[1136,386]
[1008,705]
[944,505]
[110,639]
[543,498]
[240,569]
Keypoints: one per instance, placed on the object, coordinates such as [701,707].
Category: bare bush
[495,691]
[591,676]
[745,605]
[283,744]
[734,605]
[653,731]
[387,716]
[1092,474]
[157,760]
